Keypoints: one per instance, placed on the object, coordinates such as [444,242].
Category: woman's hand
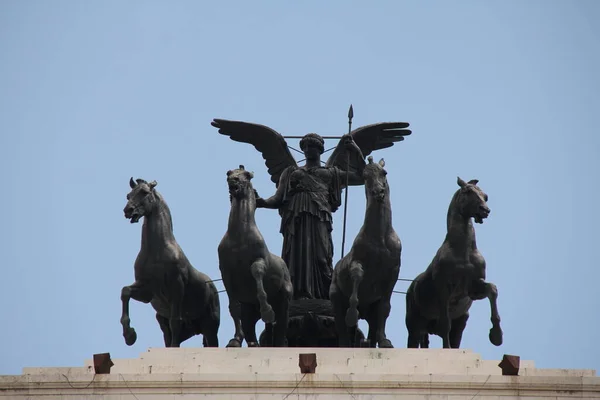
[350,144]
[260,202]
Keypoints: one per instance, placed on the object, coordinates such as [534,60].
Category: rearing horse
[364,279]
[438,300]
[257,282]
[186,301]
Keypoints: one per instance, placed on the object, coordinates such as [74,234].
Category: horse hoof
[253,344]
[386,344]
[496,336]
[130,336]
[352,317]
[234,343]
[268,316]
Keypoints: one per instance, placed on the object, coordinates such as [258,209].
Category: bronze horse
[438,300]
[364,279]
[245,259]
[186,301]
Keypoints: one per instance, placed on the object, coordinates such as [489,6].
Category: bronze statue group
[303,299]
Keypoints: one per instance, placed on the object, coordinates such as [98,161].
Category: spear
[350,116]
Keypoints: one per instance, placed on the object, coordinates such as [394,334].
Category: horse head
[140,201]
[239,183]
[472,201]
[375,180]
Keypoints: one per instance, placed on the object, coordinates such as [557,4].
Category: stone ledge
[268,373]
[329,360]
[38,385]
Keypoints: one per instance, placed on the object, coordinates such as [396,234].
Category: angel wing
[270,143]
[368,138]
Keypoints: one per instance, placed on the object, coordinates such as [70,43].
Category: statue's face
[139,200]
[473,202]
[238,181]
[375,179]
[312,146]
[312,151]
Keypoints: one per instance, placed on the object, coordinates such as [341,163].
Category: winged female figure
[307,196]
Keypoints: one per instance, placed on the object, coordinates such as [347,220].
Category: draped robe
[310,197]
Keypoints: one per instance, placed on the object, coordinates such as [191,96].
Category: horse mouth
[479,217]
[133,216]
[234,190]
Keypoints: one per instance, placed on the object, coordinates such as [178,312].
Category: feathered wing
[270,143]
[368,138]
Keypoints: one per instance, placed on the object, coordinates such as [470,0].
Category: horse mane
[164,207]
[454,200]
[452,206]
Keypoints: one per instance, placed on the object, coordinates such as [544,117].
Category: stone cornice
[266,372]
[322,383]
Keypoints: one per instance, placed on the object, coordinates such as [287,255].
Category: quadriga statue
[306,197]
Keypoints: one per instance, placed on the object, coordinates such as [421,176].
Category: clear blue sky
[92,93]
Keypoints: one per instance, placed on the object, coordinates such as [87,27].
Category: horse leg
[417,331]
[458,326]
[210,331]
[371,318]
[482,289]
[164,327]
[413,339]
[496,331]
[282,315]
[258,269]
[355,339]
[281,322]
[340,306]
[382,311]
[137,292]
[249,317]
[444,323]
[210,336]
[175,320]
[235,310]
[411,320]
[356,276]
[266,338]
[210,321]
[424,340]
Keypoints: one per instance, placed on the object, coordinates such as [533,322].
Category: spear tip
[351,112]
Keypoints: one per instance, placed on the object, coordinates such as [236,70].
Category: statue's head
[140,201]
[375,179]
[472,201]
[238,181]
[312,145]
